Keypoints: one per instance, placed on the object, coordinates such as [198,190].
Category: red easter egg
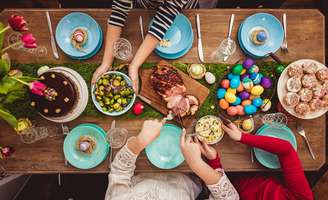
[246,102]
[232,111]
[138,108]
[225,83]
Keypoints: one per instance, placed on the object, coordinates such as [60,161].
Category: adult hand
[190,150]
[208,151]
[99,71]
[133,74]
[149,132]
[233,131]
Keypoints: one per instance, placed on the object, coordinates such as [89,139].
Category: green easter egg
[237,69]
[279,69]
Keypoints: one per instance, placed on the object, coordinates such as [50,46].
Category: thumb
[183,137]
[225,128]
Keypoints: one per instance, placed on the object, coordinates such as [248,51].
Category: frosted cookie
[315,105]
[292,99]
[305,94]
[322,74]
[309,80]
[294,84]
[318,91]
[310,67]
[295,70]
[302,108]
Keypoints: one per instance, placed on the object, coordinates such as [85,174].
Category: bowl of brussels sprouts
[113,94]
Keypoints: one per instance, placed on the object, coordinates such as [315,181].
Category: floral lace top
[122,185]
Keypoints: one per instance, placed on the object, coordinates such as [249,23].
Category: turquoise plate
[68,24]
[164,152]
[243,48]
[82,160]
[174,56]
[273,27]
[267,159]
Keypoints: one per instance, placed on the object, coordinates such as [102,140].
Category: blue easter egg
[257,102]
[232,76]
[237,102]
[256,77]
[254,69]
[220,93]
[234,83]
[261,36]
[250,109]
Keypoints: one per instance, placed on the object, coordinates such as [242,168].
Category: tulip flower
[17,23]
[22,125]
[27,39]
[6,151]
[36,87]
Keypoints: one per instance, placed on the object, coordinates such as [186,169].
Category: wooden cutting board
[158,103]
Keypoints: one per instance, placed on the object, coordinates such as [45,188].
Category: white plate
[282,91]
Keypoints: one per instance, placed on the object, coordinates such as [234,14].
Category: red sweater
[294,184]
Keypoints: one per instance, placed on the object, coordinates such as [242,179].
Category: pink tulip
[6,151]
[37,88]
[17,23]
[28,40]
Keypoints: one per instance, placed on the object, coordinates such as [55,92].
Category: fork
[301,131]
[284,43]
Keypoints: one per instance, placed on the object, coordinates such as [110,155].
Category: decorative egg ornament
[229,97]
[248,125]
[225,83]
[197,71]
[257,102]
[279,69]
[257,90]
[232,76]
[232,111]
[233,91]
[243,71]
[266,105]
[242,77]
[256,77]
[247,84]
[250,109]
[244,95]
[246,102]
[240,88]
[248,63]
[253,69]
[138,108]
[237,69]
[210,78]
[240,110]
[237,102]
[220,93]
[234,83]
[266,82]
[223,104]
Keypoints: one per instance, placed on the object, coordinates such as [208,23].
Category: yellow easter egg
[257,90]
[229,97]
[247,124]
[233,91]
[243,71]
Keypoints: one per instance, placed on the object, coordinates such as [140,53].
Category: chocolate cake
[62,95]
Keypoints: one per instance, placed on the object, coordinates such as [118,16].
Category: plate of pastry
[303,89]
[85,147]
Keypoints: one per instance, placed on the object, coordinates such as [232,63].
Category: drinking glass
[117,137]
[122,49]
[227,48]
[33,133]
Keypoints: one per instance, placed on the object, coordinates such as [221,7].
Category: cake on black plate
[59,97]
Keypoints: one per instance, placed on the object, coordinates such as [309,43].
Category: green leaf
[9,118]
[8,84]
[4,68]
[12,96]
[1,36]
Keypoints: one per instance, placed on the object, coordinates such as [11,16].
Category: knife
[141,27]
[52,39]
[200,46]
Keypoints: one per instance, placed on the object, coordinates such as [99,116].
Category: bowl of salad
[208,129]
[113,94]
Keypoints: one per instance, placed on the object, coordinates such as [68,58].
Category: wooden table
[305,40]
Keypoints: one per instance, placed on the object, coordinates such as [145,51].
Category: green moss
[86,70]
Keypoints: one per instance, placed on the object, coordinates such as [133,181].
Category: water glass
[117,137]
[122,49]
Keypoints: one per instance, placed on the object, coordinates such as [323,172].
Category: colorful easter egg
[237,102]
[244,95]
[242,77]
[231,76]
[253,97]
[237,69]
[266,105]
[229,97]
[225,83]
[266,82]
[256,77]
[243,71]
[248,63]
[220,93]
[250,109]
[240,88]
[233,91]
[234,83]
[240,110]
[210,78]
[232,111]
[279,69]
[257,90]
[246,102]
[248,124]
[253,69]
[257,102]
[223,104]
[247,84]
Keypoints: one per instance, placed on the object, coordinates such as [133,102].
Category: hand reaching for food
[99,71]
[232,130]
[190,150]
[149,132]
[208,151]
[133,74]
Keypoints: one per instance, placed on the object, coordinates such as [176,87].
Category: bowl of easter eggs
[244,90]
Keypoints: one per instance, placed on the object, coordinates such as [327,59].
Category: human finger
[183,137]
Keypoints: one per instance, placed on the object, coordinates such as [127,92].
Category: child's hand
[208,151]
[149,132]
[233,131]
[190,150]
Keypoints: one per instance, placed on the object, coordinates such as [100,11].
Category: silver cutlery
[284,46]
[65,131]
[232,19]
[301,131]
[200,45]
[52,38]
[112,126]
[144,99]
[141,27]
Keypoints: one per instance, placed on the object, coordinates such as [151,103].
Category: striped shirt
[166,12]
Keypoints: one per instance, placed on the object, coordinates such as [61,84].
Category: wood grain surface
[305,40]
[193,87]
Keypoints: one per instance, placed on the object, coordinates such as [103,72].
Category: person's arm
[123,166]
[292,169]
[116,21]
[163,19]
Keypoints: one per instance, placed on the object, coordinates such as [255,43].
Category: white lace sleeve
[119,178]
[223,189]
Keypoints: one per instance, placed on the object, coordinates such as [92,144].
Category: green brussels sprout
[110,110]
[123,83]
[119,78]
[101,88]
[119,101]
[104,109]
[100,82]
[112,101]
[101,93]
[124,101]
[101,103]
[117,97]
[105,82]
[116,106]
[116,83]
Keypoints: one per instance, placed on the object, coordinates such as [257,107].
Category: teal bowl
[113,114]
[164,152]
[268,159]
[80,159]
